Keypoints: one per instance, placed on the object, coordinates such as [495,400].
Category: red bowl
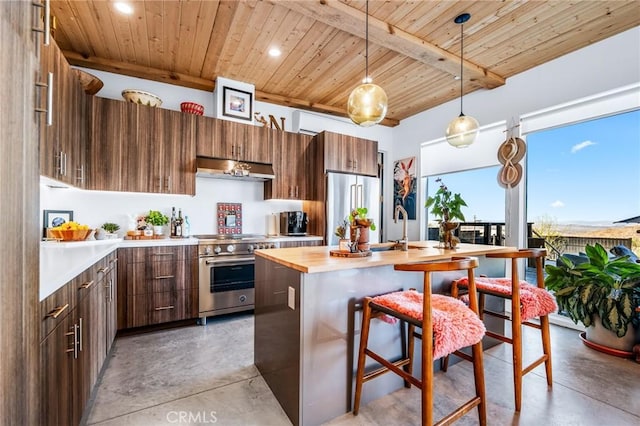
[192,108]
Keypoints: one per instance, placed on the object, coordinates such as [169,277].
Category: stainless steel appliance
[346,192]
[226,272]
[293,223]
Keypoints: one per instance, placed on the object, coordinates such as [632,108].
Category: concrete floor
[205,375]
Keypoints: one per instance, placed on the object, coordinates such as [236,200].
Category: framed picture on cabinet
[237,103]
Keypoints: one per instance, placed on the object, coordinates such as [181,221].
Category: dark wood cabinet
[64,126]
[75,339]
[294,167]
[233,141]
[137,148]
[157,285]
[348,154]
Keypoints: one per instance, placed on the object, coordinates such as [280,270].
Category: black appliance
[293,223]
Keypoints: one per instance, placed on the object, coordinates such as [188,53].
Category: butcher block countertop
[317,259]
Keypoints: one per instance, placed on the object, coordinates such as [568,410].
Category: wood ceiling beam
[185,80]
[346,18]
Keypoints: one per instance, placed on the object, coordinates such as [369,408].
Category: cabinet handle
[355,164]
[79,334]
[169,183]
[50,99]
[296,191]
[48,108]
[86,285]
[103,270]
[73,333]
[47,22]
[55,313]
[164,308]
[162,254]
[111,287]
[65,163]
[114,260]
[163,277]
[80,177]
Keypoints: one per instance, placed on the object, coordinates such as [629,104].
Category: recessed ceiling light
[123,7]
[275,52]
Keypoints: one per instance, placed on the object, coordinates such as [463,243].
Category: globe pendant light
[367,103]
[462,131]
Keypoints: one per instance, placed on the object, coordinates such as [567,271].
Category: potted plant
[359,225]
[446,207]
[111,229]
[341,233]
[157,220]
[602,293]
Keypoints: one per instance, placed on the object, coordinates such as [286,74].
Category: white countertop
[60,262]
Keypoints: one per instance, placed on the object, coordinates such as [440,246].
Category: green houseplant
[604,288]
[156,218]
[446,207]
[110,227]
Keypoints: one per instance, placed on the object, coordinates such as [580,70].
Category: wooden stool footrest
[508,318]
[389,366]
[534,364]
[464,409]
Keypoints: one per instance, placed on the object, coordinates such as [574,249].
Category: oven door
[226,285]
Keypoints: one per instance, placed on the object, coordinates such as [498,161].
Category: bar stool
[447,325]
[527,303]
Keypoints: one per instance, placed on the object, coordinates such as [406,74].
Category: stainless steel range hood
[229,169]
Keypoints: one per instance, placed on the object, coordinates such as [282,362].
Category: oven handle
[236,261]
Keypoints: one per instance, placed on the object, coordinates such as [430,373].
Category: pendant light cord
[461,67]
[366,45]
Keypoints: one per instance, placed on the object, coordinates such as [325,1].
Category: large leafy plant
[446,205]
[603,286]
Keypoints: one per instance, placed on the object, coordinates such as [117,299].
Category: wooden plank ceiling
[414,46]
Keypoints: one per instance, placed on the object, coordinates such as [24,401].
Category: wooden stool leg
[364,337]
[516,334]
[478,375]
[427,354]
[546,347]
[411,342]
[481,305]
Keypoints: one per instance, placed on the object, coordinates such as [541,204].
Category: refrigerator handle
[353,198]
[360,195]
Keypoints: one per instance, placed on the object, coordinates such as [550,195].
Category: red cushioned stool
[527,302]
[447,325]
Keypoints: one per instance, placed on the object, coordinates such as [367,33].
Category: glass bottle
[186,227]
[173,222]
[179,222]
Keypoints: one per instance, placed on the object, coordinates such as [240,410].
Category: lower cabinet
[75,342]
[157,285]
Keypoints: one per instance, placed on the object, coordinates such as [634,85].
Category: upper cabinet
[294,161]
[233,141]
[348,154]
[138,148]
[63,131]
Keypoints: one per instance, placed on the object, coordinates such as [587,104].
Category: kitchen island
[307,320]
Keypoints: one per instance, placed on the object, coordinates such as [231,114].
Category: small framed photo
[52,218]
[237,103]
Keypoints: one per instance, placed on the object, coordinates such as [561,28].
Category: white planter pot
[596,333]
[158,230]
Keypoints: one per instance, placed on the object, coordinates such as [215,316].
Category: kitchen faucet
[405,239]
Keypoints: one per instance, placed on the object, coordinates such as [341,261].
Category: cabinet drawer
[55,308]
[166,306]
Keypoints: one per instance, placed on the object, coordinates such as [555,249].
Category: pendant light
[367,103]
[462,131]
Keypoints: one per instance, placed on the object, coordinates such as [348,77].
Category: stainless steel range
[226,272]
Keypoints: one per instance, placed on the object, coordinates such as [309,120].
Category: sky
[587,172]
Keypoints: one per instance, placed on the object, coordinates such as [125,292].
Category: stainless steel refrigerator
[346,192]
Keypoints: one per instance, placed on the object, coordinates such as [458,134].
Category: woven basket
[192,108]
